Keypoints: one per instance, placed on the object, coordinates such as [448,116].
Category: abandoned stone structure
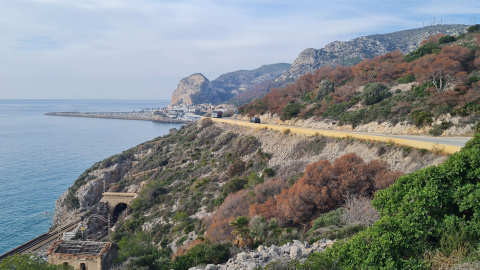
[83,255]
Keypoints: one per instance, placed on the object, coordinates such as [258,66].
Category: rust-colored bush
[218,225]
[324,187]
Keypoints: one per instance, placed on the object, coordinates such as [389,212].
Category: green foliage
[233,186]
[468,108]
[374,93]
[253,180]
[421,118]
[27,262]
[202,254]
[237,168]
[426,48]
[269,172]
[406,79]
[324,88]
[336,110]
[137,245]
[438,129]
[446,39]
[150,194]
[291,110]
[332,218]
[437,207]
[241,226]
[474,28]
[420,92]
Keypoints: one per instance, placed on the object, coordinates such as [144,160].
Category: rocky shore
[262,256]
[146,116]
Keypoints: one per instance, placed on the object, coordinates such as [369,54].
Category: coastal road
[441,144]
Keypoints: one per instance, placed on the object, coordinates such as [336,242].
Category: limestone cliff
[196,88]
[353,51]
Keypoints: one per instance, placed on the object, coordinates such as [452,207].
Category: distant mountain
[240,87]
[196,88]
[352,52]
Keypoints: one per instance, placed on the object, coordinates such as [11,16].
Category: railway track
[40,241]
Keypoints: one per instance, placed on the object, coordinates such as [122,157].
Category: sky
[141,49]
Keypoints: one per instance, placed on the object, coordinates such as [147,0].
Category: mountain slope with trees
[201,190]
[441,77]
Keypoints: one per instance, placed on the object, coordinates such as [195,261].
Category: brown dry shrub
[218,225]
[185,248]
[268,189]
[359,210]
[323,188]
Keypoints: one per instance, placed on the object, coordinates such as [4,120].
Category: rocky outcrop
[263,256]
[196,88]
[353,51]
[90,193]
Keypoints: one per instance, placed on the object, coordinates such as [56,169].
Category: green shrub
[432,208]
[426,48]
[474,28]
[446,39]
[438,129]
[325,87]
[421,118]
[291,110]
[29,261]
[202,254]
[406,79]
[237,168]
[374,93]
[332,218]
[253,180]
[269,172]
[233,186]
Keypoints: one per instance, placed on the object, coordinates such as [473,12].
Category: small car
[255,120]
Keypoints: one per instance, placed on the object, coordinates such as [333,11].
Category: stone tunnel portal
[117,211]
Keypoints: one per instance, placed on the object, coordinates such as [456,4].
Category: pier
[142,115]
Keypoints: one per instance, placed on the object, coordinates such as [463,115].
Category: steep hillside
[352,52]
[433,89]
[193,183]
[197,89]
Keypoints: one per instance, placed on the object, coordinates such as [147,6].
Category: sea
[41,156]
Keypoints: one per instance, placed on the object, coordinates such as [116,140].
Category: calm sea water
[41,156]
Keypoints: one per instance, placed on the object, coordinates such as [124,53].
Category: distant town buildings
[194,112]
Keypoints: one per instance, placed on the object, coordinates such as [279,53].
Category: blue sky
[140,49]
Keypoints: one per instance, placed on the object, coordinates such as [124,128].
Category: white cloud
[102,45]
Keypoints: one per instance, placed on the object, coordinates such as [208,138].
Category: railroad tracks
[40,241]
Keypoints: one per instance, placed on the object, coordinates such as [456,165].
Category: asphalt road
[452,144]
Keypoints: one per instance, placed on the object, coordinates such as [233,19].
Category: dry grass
[438,149]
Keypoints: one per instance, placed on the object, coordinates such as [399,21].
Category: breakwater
[146,116]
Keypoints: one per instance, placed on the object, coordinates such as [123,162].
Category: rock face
[196,88]
[262,256]
[90,193]
[351,52]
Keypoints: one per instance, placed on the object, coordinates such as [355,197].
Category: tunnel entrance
[118,210]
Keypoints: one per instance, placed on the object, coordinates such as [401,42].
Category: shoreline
[144,116]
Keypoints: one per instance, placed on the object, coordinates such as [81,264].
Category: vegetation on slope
[445,72]
[429,218]
[204,189]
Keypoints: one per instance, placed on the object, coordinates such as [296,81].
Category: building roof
[79,248]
